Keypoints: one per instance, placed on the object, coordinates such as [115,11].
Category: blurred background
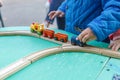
[23,12]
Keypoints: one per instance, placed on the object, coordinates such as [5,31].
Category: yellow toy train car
[37,28]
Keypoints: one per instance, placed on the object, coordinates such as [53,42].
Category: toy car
[61,37]
[48,33]
[37,28]
[77,42]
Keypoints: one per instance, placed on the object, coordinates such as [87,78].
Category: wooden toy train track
[66,47]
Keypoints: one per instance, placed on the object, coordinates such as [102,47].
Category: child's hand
[86,35]
[115,45]
[53,14]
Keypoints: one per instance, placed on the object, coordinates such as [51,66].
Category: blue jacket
[102,16]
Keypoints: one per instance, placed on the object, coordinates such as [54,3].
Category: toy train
[39,29]
[77,42]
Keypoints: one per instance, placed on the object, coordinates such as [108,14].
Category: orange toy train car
[61,37]
[48,33]
[58,36]
[37,28]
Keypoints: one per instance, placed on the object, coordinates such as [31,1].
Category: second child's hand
[115,45]
[54,14]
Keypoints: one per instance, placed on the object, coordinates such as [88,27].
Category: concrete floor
[23,12]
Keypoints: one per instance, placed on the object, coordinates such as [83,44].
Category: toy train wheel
[49,36]
[44,35]
[39,33]
[62,40]
[81,44]
[55,38]
[32,30]
[73,43]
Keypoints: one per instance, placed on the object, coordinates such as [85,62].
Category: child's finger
[61,14]
[56,14]
[52,17]
[81,36]
[51,14]
[85,38]
[111,44]
[114,47]
[117,47]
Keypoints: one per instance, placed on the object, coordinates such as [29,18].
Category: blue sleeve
[109,20]
[63,6]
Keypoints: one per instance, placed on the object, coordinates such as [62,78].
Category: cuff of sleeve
[97,32]
[116,35]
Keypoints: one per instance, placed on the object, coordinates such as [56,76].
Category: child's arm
[105,24]
[116,35]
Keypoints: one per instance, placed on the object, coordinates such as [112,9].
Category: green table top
[63,66]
